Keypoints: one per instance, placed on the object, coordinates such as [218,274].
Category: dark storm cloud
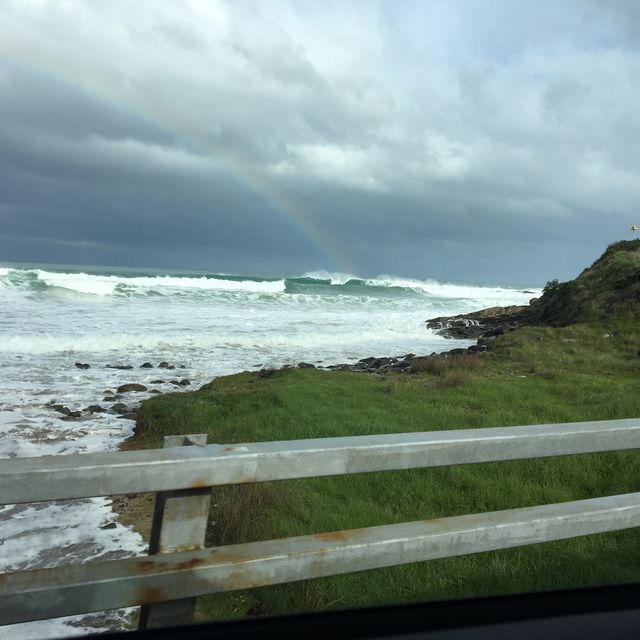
[493,141]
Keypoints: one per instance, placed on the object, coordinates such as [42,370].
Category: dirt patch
[135,511]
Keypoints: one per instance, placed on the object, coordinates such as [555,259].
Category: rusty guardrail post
[179,524]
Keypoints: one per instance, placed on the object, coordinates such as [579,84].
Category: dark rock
[109,525]
[459,328]
[184,382]
[456,352]
[367,364]
[163,365]
[175,383]
[120,366]
[146,365]
[75,414]
[95,408]
[344,367]
[476,348]
[110,398]
[480,323]
[132,386]
[65,410]
[119,407]
[82,365]
[183,366]
[171,366]
[157,382]
[155,391]
[130,415]
[108,392]
[306,365]
[258,365]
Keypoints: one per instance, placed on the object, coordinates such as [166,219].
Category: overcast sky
[472,141]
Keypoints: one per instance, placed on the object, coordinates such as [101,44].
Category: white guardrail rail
[178,568]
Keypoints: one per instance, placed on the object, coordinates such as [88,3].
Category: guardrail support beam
[179,524]
[77,588]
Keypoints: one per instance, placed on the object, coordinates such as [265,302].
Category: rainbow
[154,113]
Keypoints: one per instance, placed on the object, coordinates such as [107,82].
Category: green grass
[609,287]
[530,376]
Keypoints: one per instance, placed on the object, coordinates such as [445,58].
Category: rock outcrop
[607,290]
[470,326]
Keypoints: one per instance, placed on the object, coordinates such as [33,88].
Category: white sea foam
[334,278]
[4,272]
[294,338]
[106,285]
[96,343]
[81,282]
[448,290]
[432,287]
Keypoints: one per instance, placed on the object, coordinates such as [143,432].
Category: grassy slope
[610,287]
[530,376]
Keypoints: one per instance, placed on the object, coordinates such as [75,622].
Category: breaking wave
[311,283]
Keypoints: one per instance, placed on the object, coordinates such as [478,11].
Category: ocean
[204,325]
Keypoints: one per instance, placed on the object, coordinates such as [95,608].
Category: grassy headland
[543,374]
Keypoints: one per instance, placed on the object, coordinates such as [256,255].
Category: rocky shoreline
[487,323]
[484,326]
[114,399]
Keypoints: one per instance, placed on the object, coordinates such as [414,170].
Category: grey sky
[477,141]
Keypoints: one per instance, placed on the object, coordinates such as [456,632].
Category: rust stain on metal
[158,565]
[199,484]
[149,594]
[333,536]
[443,524]
[179,549]
[232,557]
[235,581]
[241,580]
[190,564]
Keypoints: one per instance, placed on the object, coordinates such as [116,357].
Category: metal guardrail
[99,474]
[183,475]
